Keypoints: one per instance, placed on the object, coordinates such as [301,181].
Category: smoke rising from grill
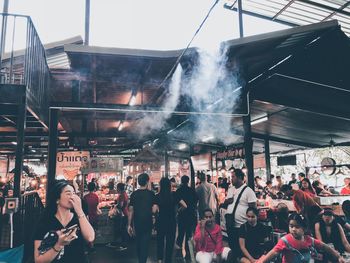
[211,88]
[156,121]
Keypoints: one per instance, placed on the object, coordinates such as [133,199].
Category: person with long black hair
[63,210]
[166,220]
[328,230]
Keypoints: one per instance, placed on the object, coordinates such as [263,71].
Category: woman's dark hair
[309,185]
[254,210]
[91,186]
[120,187]
[315,183]
[54,195]
[165,187]
[128,178]
[300,219]
[165,192]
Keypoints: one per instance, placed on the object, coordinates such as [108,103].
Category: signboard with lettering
[103,165]
[231,153]
[68,164]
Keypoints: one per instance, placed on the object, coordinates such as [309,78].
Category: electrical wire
[187,47]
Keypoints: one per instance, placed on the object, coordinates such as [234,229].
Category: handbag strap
[238,198]
[212,239]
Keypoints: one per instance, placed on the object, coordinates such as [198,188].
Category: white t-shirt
[247,197]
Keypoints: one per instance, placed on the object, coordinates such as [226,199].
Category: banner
[103,165]
[231,153]
[68,164]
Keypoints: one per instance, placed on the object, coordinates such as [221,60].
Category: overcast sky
[151,24]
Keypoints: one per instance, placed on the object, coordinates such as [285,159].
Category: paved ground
[104,254]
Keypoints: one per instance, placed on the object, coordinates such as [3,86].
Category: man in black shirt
[142,204]
[187,218]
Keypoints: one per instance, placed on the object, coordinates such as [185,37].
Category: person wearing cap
[328,230]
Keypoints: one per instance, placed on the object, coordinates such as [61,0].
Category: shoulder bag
[230,217]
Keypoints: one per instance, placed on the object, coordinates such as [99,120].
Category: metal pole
[240,18]
[248,150]
[21,125]
[76,91]
[11,230]
[87,22]
[192,168]
[52,155]
[166,163]
[267,159]
[3,30]
[5,8]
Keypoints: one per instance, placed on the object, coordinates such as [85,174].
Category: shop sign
[68,164]
[230,154]
[103,165]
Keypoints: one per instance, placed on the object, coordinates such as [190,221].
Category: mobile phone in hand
[70,229]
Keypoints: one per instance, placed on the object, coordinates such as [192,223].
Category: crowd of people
[188,219]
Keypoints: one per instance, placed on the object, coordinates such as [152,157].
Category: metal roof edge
[122,51]
[75,40]
[282,33]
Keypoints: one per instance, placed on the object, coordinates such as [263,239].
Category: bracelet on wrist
[58,251]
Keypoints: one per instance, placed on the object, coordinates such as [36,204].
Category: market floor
[105,254]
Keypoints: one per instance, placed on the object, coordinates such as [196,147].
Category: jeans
[166,234]
[186,225]
[233,241]
[143,239]
[120,229]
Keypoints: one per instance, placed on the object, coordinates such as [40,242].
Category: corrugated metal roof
[297,12]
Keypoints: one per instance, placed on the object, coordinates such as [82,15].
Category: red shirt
[288,255]
[208,245]
[345,191]
[122,202]
[92,201]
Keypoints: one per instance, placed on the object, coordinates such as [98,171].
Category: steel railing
[23,61]
[31,208]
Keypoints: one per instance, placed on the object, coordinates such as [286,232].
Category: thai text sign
[68,164]
[230,154]
[101,165]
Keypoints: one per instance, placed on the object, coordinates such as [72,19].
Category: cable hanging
[187,47]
